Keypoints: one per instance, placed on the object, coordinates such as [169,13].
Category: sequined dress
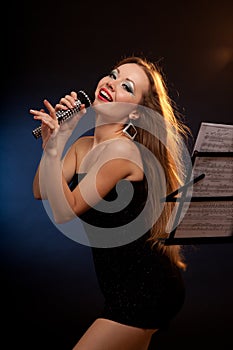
[141,287]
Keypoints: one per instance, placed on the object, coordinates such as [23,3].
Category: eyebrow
[118,71]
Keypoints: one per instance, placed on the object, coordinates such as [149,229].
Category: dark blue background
[49,288]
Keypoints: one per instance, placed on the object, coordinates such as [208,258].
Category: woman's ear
[134,115]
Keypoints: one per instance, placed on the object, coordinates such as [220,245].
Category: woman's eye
[128,88]
[113,75]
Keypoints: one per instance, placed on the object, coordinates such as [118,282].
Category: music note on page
[214,137]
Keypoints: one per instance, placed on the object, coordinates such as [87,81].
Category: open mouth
[105,96]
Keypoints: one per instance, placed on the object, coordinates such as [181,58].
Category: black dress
[141,287]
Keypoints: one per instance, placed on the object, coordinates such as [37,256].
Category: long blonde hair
[157,100]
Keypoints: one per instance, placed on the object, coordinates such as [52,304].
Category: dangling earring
[130,130]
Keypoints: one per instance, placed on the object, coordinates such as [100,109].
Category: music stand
[210,199]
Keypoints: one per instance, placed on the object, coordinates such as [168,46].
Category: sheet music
[207,219]
[210,217]
[218,180]
[214,137]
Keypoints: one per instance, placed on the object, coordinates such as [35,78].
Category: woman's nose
[110,85]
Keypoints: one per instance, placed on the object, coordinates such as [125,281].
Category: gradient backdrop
[49,288]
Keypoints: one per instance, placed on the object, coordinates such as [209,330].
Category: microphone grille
[84,98]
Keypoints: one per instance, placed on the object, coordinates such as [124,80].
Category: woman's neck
[106,132]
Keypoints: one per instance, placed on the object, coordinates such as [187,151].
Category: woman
[139,275]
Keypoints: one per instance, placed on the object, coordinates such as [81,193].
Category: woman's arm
[69,167]
[50,125]
[113,165]
[119,160]
[36,185]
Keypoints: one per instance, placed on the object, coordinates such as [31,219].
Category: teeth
[105,95]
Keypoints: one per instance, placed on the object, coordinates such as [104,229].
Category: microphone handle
[63,115]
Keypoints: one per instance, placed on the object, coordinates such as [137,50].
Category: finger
[42,116]
[51,109]
[68,101]
[36,112]
[40,113]
[46,120]
[71,99]
[83,108]
[60,106]
[74,95]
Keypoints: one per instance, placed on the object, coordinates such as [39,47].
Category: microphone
[63,115]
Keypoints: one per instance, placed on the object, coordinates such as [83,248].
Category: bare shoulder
[123,153]
[123,147]
[84,142]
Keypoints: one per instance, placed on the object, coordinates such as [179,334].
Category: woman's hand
[69,102]
[49,123]
[50,128]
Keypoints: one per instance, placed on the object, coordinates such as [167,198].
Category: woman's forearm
[54,187]
[36,186]
[49,182]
